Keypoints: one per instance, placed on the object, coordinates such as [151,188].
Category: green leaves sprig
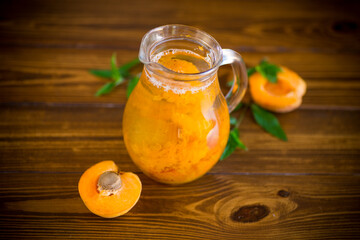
[117,76]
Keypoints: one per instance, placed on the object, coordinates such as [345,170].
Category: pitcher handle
[238,88]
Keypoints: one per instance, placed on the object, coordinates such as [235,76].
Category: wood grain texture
[67,139]
[312,25]
[200,210]
[52,127]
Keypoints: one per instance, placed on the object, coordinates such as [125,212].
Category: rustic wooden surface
[52,127]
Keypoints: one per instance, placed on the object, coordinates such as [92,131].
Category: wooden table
[53,128]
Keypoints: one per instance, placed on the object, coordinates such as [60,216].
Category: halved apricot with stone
[283,96]
[107,192]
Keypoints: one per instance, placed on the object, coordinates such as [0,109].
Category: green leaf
[117,75]
[268,71]
[251,71]
[233,143]
[233,120]
[114,69]
[235,135]
[101,73]
[105,89]
[268,122]
[124,69]
[131,85]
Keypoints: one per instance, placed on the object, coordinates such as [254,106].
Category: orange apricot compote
[175,135]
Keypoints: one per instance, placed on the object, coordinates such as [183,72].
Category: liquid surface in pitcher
[176,136]
[182,61]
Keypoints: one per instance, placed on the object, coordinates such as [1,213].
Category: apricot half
[283,96]
[107,192]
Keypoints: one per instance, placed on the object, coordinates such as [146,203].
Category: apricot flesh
[118,202]
[283,96]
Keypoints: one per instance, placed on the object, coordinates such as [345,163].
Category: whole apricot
[107,192]
[283,96]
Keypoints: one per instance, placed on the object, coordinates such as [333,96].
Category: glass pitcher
[176,121]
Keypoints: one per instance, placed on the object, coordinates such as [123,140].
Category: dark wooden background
[52,127]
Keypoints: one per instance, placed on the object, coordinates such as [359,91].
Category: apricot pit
[107,192]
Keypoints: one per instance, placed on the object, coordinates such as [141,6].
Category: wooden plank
[319,26]
[69,138]
[278,207]
[61,75]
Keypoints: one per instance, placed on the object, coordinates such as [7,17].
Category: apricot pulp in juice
[176,135]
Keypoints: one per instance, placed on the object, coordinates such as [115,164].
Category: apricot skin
[109,206]
[283,96]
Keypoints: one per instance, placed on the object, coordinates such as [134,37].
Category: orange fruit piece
[173,61]
[107,192]
[180,66]
[283,96]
